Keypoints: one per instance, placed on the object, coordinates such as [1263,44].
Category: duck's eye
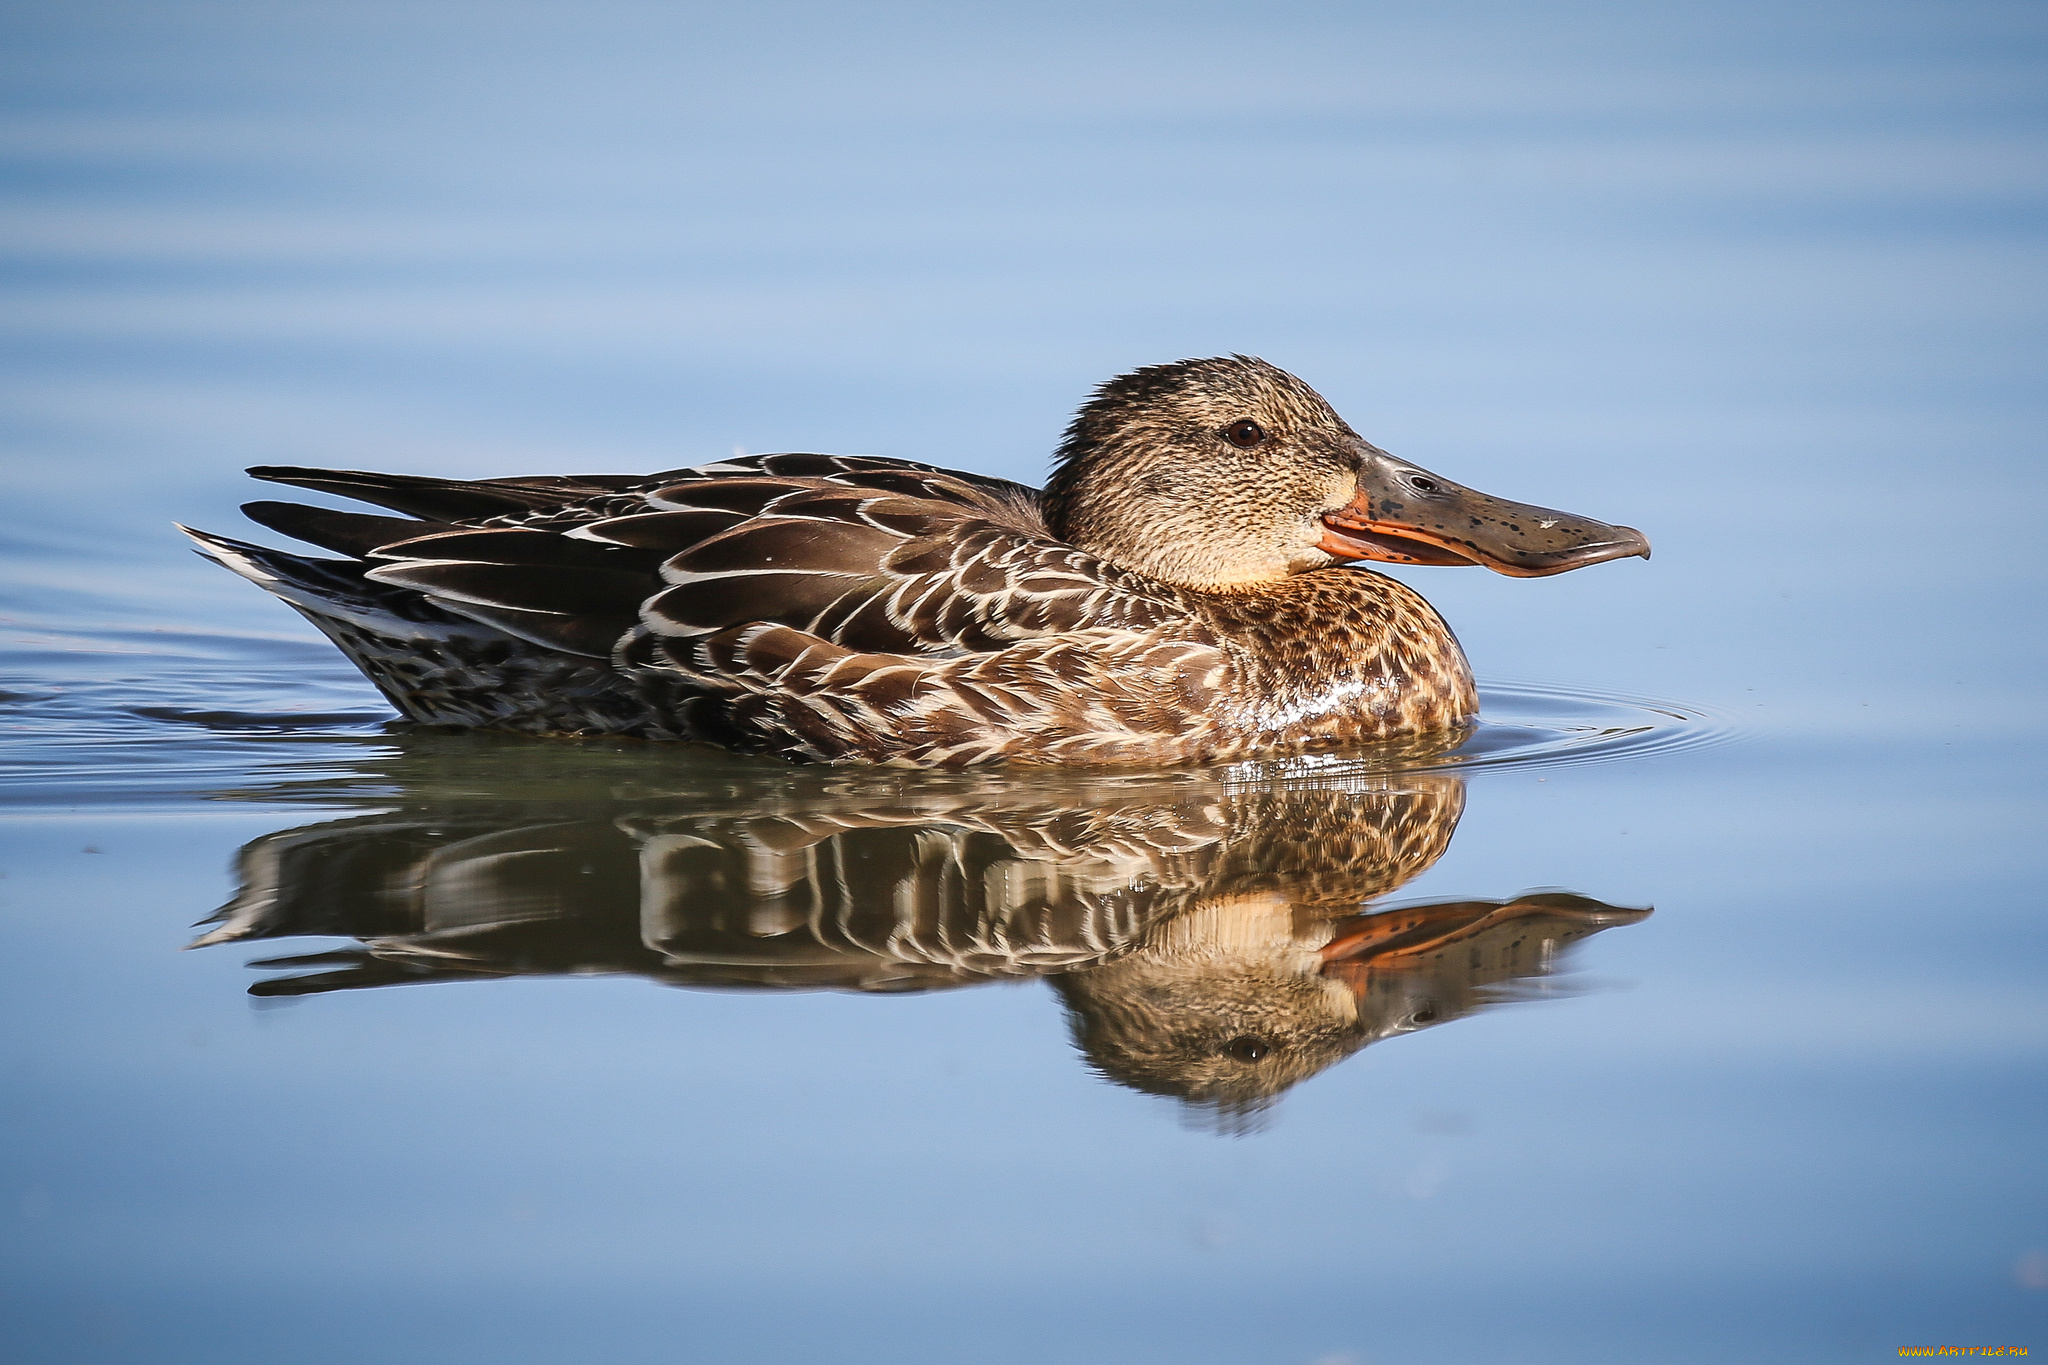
[1421,484]
[1247,1049]
[1425,1015]
[1244,433]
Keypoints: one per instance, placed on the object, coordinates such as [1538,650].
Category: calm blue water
[1765,280]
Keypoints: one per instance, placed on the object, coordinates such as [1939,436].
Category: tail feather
[329,589]
[351,533]
[477,667]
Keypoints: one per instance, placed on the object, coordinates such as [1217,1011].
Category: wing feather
[842,607]
[349,533]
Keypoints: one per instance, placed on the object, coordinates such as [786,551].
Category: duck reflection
[1214,943]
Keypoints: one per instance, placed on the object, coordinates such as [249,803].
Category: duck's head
[1224,1006]
[1230,472]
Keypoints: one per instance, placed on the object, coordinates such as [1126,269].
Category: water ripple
[149,716]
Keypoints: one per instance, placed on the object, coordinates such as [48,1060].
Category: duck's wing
[870,554]
[848,607]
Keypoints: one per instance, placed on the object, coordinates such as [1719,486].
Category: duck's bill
[1406,515]
[1394,940]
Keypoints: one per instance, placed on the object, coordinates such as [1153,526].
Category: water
[626,1053]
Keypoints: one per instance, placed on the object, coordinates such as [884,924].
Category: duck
[1188,587]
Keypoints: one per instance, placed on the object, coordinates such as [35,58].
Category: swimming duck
[1184,589]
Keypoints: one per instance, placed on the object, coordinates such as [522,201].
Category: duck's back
[822,607]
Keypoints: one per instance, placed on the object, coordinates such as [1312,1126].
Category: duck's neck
[1338,655]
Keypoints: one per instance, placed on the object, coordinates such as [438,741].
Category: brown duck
[1182,590]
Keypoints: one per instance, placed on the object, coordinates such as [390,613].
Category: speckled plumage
[1173,596]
